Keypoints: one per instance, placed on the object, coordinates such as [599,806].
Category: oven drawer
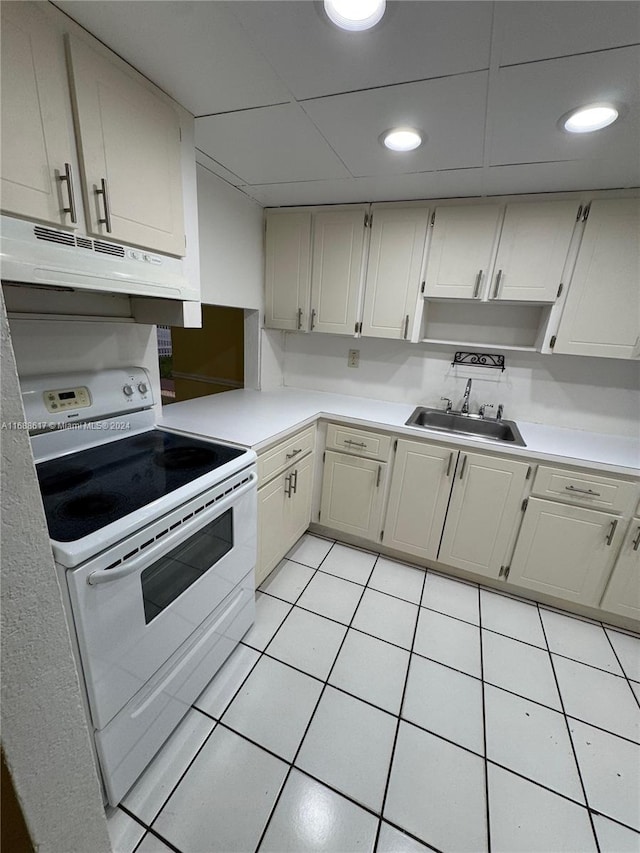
[136,733]
[584,488]
[359,442]
[276,459]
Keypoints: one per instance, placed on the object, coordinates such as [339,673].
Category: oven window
[169,576]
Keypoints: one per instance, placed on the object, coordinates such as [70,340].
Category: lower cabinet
[483,514]
[623,591]
[418,497]
[565,551]
[352,490]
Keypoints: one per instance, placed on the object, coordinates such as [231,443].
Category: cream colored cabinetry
[336,272]
[393,270]
[418,497]
[353,481]
[483,513]
[601,315]
[565,551]
[130,152]
[38,152]
[532,246]
[285,479]
[288,270]
[622,595]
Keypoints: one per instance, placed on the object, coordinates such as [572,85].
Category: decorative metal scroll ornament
[480,359]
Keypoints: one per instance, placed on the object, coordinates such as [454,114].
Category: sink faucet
[465,398]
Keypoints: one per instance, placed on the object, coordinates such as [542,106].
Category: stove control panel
[61,399]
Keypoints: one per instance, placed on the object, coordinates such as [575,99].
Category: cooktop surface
[87,490]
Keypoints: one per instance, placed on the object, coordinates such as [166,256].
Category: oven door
[139,602]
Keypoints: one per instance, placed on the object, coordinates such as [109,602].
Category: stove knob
[142,387]
[128,390]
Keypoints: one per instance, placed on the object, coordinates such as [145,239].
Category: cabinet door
[297,508]
[461,248]
[533,250]
[564,551]
[420,487]
[623,592]
[36,117]
[288,270]
[130,140]
[393,271]
[271,502]
[352,494]
[338,241]
[483,513]
[602,313]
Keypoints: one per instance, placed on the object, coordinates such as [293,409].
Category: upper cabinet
[601,315]
[393,270]
[128,137]
[129,144]
[288,270]
[37,139]
[490,253]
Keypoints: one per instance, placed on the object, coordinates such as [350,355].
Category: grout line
[624,671]
[573,748]
[311,718]
[397,732]
[157,835]
[484,726]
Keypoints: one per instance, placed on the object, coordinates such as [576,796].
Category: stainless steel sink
[458,424]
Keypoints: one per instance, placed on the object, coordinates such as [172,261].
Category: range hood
[32,253]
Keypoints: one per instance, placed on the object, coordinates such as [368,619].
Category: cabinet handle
[294,482]
[299,318]
[583,491]
[496,286]
[464,462]
[636,541]
[406,327]
[293,453]
[379,476]
[313,318]
[287,486]
[104,192]
[476,289]
[68,177]
[449,464]
[612,531]
[353,443]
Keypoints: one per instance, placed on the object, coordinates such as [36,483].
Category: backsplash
[597,395]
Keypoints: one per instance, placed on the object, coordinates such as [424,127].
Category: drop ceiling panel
[556,177]
[528,101]
[268,145]
[450,111]
[196,51]
[415,40]
[529,31]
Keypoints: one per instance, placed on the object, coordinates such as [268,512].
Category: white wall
[593,394]
[44,730]
[231,244]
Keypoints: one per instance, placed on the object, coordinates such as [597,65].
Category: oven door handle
[160,547]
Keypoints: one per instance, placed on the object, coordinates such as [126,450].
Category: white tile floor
[378,707]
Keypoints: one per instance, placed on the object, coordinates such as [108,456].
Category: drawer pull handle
[104,192]
[294,482]
[299,318]
[476,289]
[313,318]
[583,491]
[288,485]
[379,477]
[68,177]
[449,464]
[612,531]
[293,453]
[406,327]
[353,443]
[464,462]
[496,287]
[636,541]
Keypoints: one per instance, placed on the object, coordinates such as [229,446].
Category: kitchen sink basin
[472,425]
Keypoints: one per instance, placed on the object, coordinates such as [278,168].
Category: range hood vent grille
[64,238]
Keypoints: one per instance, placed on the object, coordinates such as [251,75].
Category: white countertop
[257,418]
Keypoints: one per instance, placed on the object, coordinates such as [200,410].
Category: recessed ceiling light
[402,138]
[589,118]
[355,15]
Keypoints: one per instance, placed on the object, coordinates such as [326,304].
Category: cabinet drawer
[359,442]
[276,459]
[589,490]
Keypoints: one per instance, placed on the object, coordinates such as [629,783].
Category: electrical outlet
[353,359]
